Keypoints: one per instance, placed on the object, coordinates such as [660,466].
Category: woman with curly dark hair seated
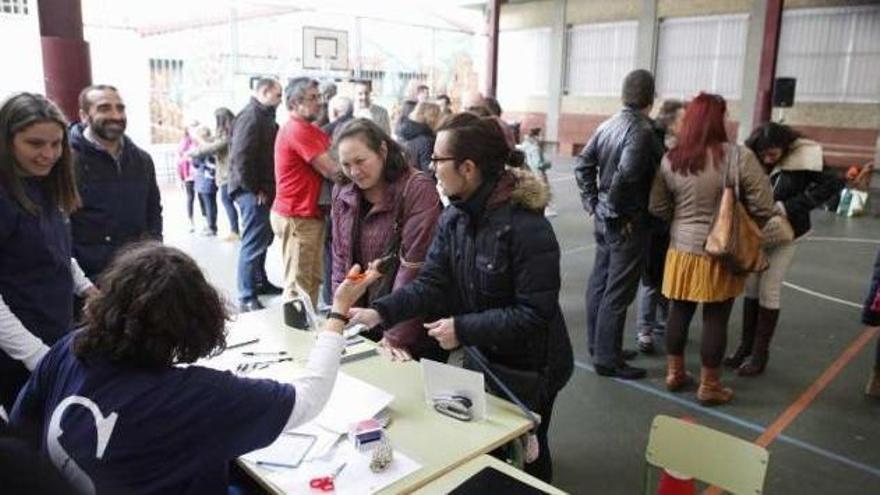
[114,411]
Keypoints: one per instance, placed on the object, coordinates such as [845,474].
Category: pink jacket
[421,210]
[184,162]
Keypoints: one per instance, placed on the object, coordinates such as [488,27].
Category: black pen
[275,464]
[280,360]
[266,353]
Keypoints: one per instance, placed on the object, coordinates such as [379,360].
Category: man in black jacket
[614,173]
[252,187]
[116,181]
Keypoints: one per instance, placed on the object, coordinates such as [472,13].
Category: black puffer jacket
[801,186]
[418,139]
[494,267]
[252,151]
[615,170]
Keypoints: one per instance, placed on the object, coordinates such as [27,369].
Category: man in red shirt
[302,160]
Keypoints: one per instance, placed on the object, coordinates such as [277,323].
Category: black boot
[756,363]
[750,320]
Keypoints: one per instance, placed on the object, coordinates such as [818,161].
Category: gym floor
[807,408]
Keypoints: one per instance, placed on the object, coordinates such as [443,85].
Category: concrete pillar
[558,63]
[646,38]
[493,17]
[66,64]
[759,69]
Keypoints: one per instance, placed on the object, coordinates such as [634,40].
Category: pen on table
[275,464]
[266,353]
[242,344]
[279,360]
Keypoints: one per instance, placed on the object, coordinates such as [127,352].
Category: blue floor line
[755,427]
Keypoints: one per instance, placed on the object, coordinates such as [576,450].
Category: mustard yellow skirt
[699,278]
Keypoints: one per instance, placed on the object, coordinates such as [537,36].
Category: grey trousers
[620,253]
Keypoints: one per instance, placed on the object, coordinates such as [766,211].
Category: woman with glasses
[491,278]
[686,192]
[385,209]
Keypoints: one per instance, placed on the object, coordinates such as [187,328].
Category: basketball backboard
[325,49]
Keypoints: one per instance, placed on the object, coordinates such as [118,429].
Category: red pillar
[66,64]
[493,15]
[769,53]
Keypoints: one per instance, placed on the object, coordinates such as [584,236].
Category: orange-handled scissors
[325,483]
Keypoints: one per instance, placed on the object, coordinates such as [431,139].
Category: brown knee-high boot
[711,392]
[767,319]
[677,376]
[747,340]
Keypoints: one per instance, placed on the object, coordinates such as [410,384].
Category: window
[599,56]
[15,7]
[166,100]
[701,54]
[833,53]
[523,63]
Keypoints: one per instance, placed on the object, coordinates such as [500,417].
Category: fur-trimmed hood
[522,188]
[804,154]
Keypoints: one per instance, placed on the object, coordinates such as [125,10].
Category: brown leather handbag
[734,238]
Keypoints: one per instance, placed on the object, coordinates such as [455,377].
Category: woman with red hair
[686,191]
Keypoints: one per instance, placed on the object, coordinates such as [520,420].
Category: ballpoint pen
[264,353]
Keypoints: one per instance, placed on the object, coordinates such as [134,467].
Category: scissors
[325,483]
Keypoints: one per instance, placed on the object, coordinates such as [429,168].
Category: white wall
[118,58]
[22,56]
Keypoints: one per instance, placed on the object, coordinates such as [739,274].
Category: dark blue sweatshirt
[35,278]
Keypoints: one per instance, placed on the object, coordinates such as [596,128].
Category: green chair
[710,456]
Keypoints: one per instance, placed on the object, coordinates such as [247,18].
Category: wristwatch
[337,316]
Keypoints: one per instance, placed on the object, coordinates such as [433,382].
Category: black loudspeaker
[783,92]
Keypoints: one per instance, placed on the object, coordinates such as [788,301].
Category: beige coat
[689,201]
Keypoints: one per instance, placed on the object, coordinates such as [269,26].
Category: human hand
[444,331]
[262,198]
[353,287]
[397,354]
[369,317]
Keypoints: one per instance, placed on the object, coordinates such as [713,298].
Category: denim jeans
[208,203]
[229,206]
[256,237]
[652,309]
[620,250]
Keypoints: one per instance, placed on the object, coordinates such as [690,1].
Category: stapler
[454,406]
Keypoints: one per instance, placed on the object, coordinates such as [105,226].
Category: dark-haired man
[614,173]
[302,161]
[252,187]
[116,180]
[364,108]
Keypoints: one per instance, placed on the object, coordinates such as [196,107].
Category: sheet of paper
[352,400]
[354,479]
[443,379]
[286,449]
[326,439]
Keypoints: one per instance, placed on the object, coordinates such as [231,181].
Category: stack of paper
[352,400]
[356,478]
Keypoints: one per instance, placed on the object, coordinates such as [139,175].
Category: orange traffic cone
[673,483]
